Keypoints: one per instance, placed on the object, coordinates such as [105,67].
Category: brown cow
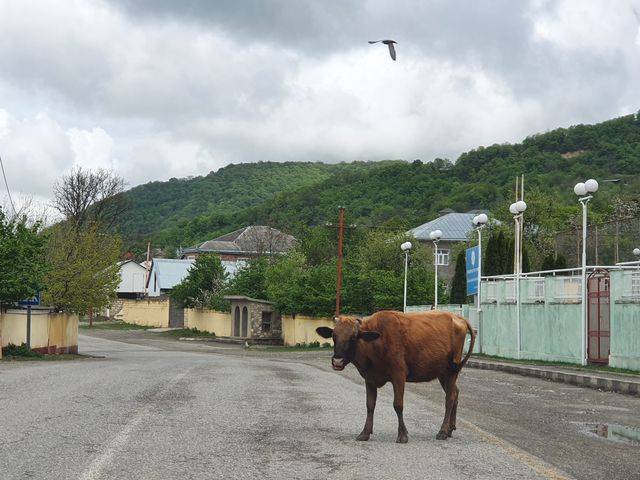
[403,347]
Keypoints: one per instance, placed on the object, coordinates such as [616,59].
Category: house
[132,280]
[455,227]
[166,273]
[240,245]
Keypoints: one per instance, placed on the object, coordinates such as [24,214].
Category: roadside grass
[187,332]
[299,347]
[112,326]
[20,353]
[544,363]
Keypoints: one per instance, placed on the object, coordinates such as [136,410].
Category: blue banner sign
[473,270]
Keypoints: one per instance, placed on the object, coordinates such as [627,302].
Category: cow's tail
[471,343]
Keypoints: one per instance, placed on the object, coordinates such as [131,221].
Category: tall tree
[90,196]
[459,281]
[84,271]
[22,260]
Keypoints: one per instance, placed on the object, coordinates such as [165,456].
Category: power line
[15,212]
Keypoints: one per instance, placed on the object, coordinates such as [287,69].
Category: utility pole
[339,269]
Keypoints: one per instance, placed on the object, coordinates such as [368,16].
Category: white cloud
[88,83]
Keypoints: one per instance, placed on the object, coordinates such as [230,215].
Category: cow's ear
[324,332]
[368,335]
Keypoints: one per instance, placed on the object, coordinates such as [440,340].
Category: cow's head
[346,333]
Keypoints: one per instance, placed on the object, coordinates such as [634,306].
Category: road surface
[162,409]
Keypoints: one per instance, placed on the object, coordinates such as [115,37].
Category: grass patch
[299,347]
[112,326]
[20,353]
[545,363]
[187,332]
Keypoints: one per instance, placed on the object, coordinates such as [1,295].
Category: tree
[84,272]
[84,197]
[459,281]
[250,280]
[22,260]
[204,286]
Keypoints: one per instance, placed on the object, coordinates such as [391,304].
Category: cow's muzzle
[338,363]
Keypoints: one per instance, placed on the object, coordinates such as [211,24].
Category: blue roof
[454,226]
[169,271]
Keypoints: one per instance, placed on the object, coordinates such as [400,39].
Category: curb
[598,382]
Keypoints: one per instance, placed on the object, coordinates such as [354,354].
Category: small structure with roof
[455,227]
[255,320]
[132,279]
[242,244]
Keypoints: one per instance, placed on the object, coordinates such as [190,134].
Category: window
[266,321]
[443,257]
[631,284]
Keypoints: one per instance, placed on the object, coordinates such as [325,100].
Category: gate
[598,316]
[176,315]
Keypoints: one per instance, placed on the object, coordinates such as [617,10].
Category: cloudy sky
[161,89]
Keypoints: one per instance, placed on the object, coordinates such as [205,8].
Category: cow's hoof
[442,435]
[402,438]
[363,437]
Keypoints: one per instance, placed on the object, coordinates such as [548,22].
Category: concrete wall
[550,319]
[50,332]
[146,312]
[302,329]
[625,323]
[210,321]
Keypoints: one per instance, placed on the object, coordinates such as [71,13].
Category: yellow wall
[57,331]
[146,312]
[302,329]
[208,321]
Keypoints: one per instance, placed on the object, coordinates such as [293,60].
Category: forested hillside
[295,195]
[158,205]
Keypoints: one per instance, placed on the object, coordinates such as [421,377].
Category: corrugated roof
[252,239]
[170,271]
[454,227]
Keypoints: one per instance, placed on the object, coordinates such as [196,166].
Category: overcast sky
[161,89]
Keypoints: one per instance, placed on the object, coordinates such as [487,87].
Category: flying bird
[388,43]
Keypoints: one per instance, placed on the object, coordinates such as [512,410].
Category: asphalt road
[161,409]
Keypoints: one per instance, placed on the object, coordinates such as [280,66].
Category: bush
[12,350]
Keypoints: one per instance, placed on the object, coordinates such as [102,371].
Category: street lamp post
[517,209]
[436,235]
[585,192]
[406,248]
[480,221]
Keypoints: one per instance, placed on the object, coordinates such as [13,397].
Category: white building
[132,279]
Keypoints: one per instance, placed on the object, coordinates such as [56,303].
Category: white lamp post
[585,192]
[517,209]
[479,221]
[436,235]
[406,248]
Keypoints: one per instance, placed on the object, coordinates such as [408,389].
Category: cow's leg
[398,405]
[450,391]
[454,412]
[372,394]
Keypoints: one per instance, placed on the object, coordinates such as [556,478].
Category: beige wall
[302,329]
[146,312]
[208,321]
[50,332]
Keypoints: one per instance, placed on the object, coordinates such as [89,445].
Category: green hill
[294,195]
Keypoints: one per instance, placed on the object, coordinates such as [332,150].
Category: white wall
[132,278]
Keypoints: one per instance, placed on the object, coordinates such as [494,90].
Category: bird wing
[392,51]
[374,41]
